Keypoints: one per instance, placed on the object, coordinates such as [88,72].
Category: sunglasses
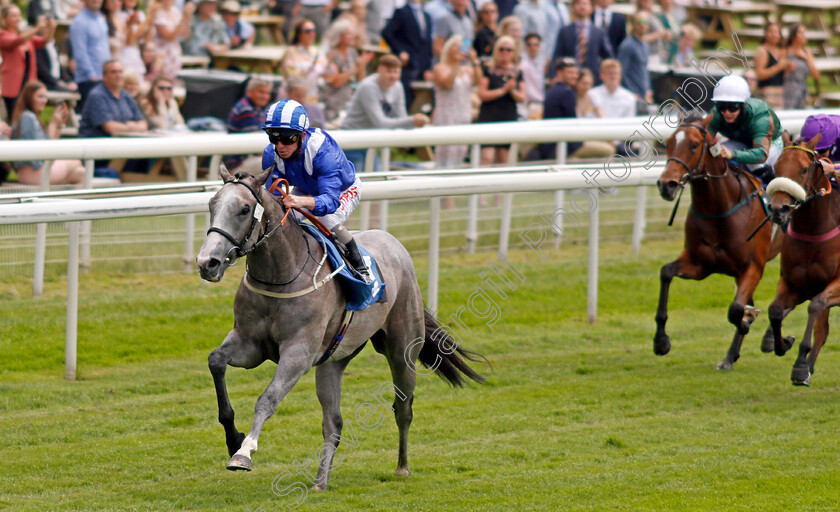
[283,137]
[505,49]
[642,22]
[728,107]
[164,88]
[308,31]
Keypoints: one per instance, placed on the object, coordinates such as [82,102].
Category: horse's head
[797,171]
[236,213]
[688,148]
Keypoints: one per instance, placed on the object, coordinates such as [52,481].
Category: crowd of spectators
[484,61]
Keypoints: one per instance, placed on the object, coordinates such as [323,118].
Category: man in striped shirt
[248,115]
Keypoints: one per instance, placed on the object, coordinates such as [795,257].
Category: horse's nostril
[212,263]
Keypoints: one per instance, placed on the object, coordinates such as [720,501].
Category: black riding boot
[355,259]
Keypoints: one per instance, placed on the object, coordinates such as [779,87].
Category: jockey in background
[829,144]
[753,130]
[324,181]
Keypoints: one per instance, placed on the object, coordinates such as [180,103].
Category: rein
[692,175]
[811,168]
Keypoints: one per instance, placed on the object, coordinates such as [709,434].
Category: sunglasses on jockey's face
[282,136]
[725,106]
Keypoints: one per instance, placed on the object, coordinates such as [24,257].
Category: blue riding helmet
[288,115]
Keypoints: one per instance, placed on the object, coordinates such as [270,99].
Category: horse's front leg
[681,267]
[786,299]
[293,363]
[234,351]
[817,314]
[746,285]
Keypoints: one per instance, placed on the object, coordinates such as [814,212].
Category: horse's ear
[670,143]
[786,139]
[811,144]
[224,173]
[263,176]
[707,120]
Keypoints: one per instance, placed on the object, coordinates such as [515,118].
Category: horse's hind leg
[233,351]
[681,267]
[396,344]
[328,386]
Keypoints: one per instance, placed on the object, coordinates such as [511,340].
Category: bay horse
[725,210]
[288,307]
[803,197]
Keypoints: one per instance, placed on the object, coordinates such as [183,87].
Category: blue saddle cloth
[358,293]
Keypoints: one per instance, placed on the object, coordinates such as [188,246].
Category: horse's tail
[441,352]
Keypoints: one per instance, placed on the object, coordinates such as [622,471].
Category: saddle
[359,294]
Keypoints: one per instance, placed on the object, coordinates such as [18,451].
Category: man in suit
[582,40]
[615,24]
[409,35]
[560,102]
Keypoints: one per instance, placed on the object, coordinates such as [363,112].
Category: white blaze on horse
[288,310]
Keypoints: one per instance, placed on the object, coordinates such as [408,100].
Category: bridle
[237,250]
[813,193]
[692,171]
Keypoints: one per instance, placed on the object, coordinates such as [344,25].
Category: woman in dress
[170,27]
[585,108]
[137,26]
[303,58]
[152,61]
[17,51]
[795,86]
[454,77]
[27,125]
[770,64]
[501,87]
[345,68]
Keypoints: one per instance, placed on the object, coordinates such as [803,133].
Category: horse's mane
[693,116]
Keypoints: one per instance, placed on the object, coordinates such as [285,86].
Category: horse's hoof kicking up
[239,462]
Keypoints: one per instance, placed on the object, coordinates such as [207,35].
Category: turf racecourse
[574,416]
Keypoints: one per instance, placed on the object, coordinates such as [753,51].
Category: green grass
[573,417]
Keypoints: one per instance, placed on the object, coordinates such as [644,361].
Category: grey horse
[287,309]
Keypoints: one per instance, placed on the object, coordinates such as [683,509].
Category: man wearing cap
[240,32]
[829,144]
[753,130]
[208,35]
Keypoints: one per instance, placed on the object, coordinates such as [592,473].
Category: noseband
[236,251]
[813,193]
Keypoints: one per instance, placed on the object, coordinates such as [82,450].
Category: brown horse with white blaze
[725,210]
[803,198]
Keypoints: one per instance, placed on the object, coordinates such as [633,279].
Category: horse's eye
[695,146]
[245,210]
[804,170]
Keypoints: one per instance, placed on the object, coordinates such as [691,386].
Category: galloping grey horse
[287,309]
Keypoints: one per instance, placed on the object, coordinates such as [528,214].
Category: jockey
[829,144]
[310,160]
[753,130]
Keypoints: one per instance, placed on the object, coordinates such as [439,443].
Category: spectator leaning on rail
[379,102]
[110,109]
[324,181]
[829,144]
[753,130]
